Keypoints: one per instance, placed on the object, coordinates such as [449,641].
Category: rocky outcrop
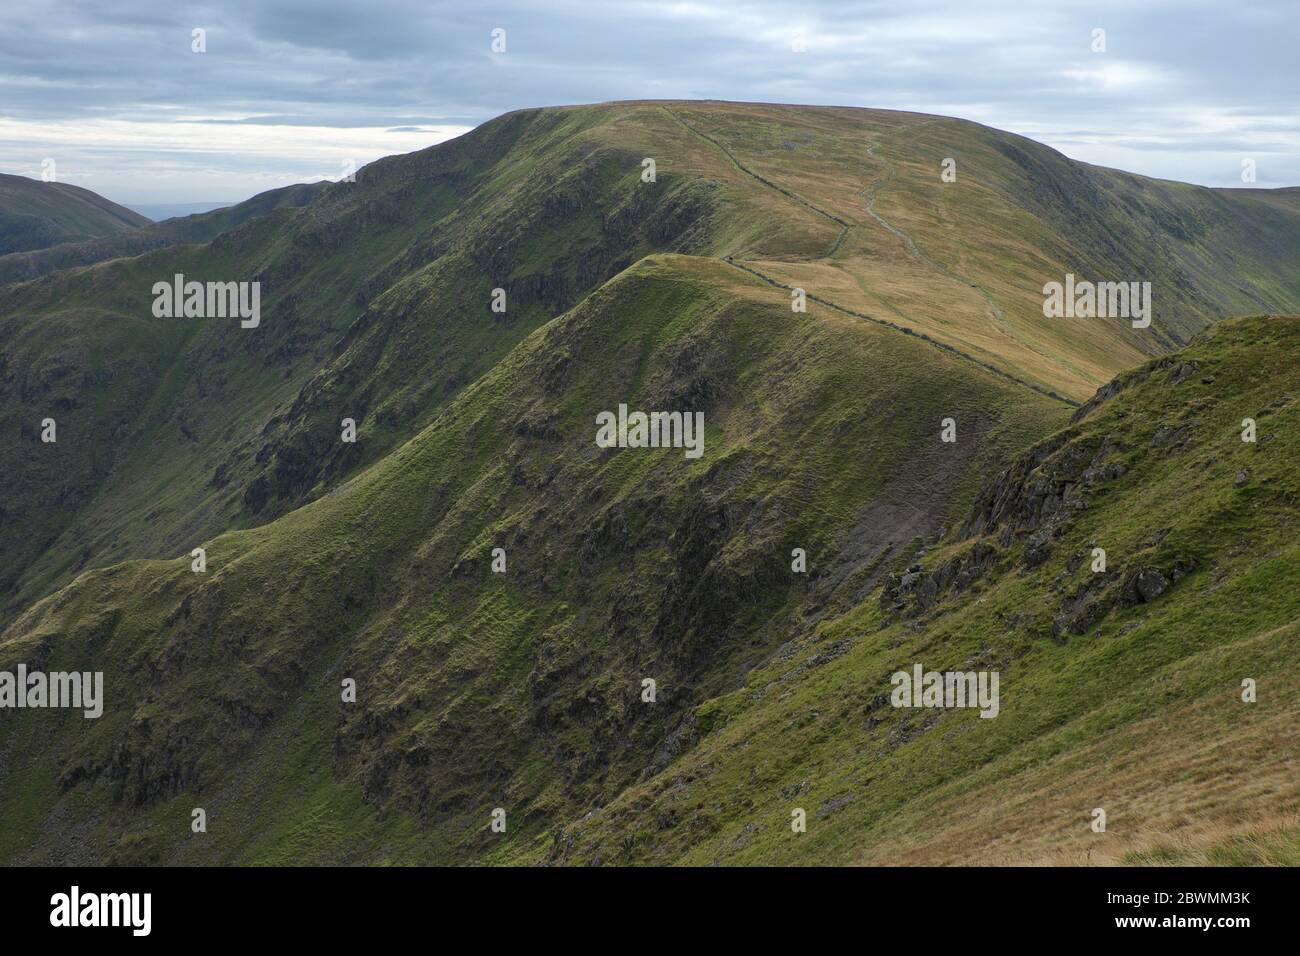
[1182,371]
[1041,495]
[918,590]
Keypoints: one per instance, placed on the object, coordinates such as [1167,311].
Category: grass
[1140,715]
[476,691]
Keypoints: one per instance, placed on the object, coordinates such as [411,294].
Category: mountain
[160,211]
[377,293]
[36,214]
[197,228]
[863,432]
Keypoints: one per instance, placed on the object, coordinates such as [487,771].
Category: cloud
[1117,76]
[113,91]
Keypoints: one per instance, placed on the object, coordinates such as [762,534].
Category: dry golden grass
[850,206]
[1207,772]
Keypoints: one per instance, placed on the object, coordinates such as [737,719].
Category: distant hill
[36,214]
[159,212]
[195,227]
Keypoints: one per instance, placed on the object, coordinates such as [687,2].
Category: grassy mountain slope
[36,214]
[517,688]
[966,261]
[476,430]
[375,306]
[376,293]
[521,690]
[1119,690]
[197,228]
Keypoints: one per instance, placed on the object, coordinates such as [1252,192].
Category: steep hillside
[375,305]
[377,294]
[822,433]
[36,214]
[1120,689]
[521,689]
[197,228]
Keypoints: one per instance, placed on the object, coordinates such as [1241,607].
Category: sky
[292,91]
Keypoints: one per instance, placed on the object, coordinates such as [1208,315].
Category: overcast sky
[289,91]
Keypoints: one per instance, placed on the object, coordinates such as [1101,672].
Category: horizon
[181,104]
[197,206]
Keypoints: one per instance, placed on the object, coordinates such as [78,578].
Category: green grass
[518,691]
[1098,709]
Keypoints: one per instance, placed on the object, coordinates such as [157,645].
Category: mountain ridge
[757,227]
[860,432]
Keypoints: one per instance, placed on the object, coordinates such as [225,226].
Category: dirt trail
[999,316]
[898,233]
[906,331]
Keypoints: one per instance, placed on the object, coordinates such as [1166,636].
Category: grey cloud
[1191,79]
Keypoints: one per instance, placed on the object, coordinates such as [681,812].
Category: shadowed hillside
[1121,689]
[821,434]
[36,214]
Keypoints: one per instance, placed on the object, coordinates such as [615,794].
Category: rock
[1243,476]
[1036,553]
[1150,584]
[1166,435]
[742,840]
[921,590]
[1080,611]
[833,804]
